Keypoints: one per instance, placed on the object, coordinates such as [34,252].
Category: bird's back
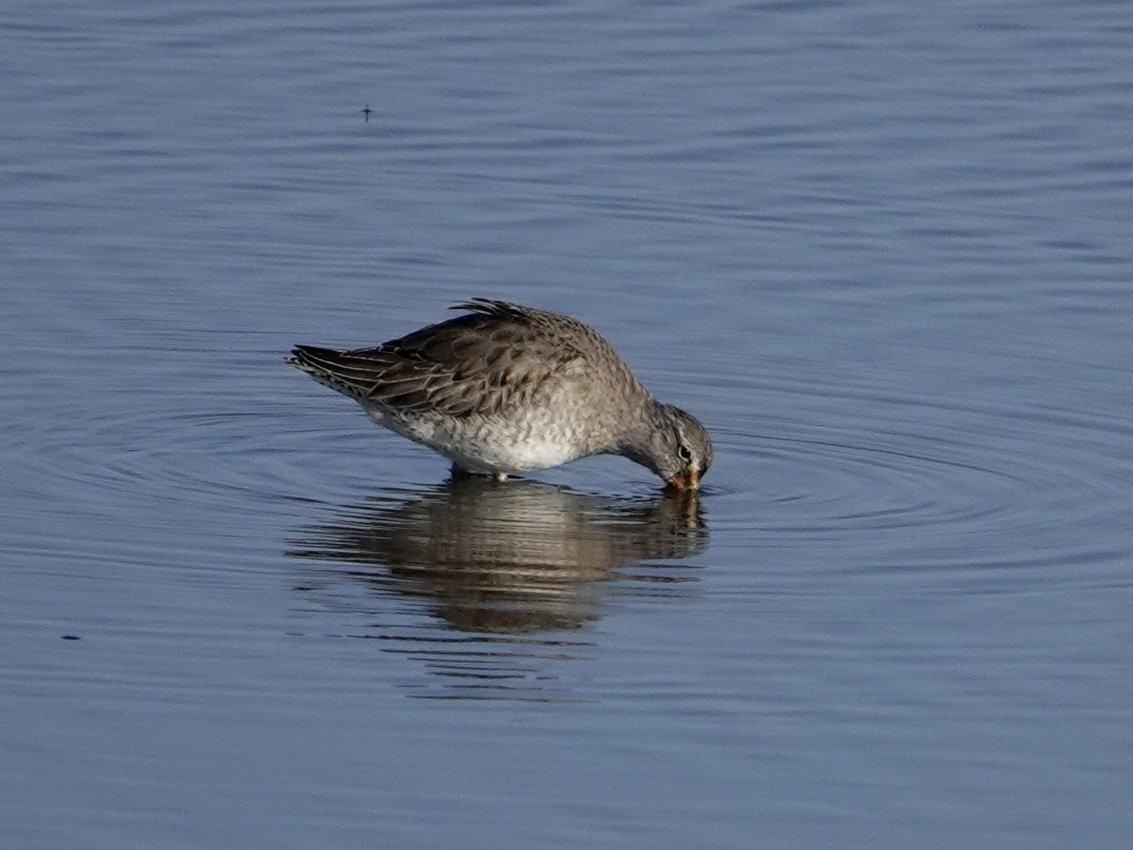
[497,358]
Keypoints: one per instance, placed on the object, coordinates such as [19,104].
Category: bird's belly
[489,446]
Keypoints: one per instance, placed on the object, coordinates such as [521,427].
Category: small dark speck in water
[367,111]
[71,637]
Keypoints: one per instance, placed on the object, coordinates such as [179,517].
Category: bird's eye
[684,453]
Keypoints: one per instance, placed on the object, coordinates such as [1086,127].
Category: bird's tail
[343,371]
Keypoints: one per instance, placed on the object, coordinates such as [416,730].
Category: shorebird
[506,389]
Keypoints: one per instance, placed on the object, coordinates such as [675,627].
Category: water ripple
[900,478]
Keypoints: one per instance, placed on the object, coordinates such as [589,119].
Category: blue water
[882,250]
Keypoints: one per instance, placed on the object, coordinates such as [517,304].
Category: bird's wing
[484,362]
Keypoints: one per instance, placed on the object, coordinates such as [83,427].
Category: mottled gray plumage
[507,389]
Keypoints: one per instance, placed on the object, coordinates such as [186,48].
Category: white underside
[500,448]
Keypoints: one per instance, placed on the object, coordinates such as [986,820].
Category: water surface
[880,248]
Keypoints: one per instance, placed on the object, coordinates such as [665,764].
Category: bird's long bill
[689,480]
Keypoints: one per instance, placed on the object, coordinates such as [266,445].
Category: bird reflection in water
[516,563]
